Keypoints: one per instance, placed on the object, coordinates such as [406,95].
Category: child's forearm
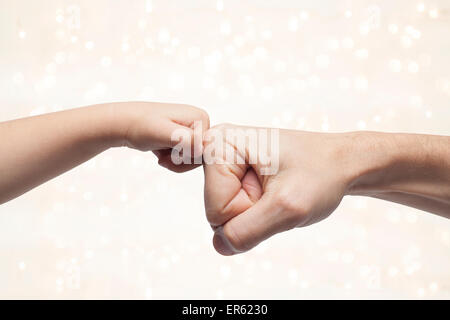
[37,149]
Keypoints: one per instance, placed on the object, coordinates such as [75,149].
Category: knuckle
[214,217]
[215,220]
[294,211]
[235,238]
[286,201]
[204,115]
[199,111]
[217,216]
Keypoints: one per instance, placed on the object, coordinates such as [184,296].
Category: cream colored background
[119,226]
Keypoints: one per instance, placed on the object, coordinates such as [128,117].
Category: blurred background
[121,227]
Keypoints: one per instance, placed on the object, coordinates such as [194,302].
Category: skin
[243,206]
[316,171]
[37,149]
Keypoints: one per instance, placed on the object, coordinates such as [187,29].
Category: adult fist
[246,203]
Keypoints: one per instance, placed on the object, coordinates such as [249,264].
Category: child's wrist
[116,125]
[103,125]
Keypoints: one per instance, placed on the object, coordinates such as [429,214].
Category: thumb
[256,224]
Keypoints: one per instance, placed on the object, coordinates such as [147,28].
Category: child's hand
[42,147]
[149,127]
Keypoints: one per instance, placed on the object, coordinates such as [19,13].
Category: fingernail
[222,245]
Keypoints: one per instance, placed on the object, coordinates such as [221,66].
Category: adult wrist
[397,163]
[371,160]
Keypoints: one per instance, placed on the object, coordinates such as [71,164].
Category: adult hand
[316,170]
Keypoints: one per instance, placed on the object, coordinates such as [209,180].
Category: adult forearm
[37,149]
[410,169]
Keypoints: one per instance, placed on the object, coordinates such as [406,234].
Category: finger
[231,186]
[182,121]
[183,139]
[165,160]
[196,119]
[169,134]
[245,231]
[224,195]
[186,115]
[251,185]
[179,168]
